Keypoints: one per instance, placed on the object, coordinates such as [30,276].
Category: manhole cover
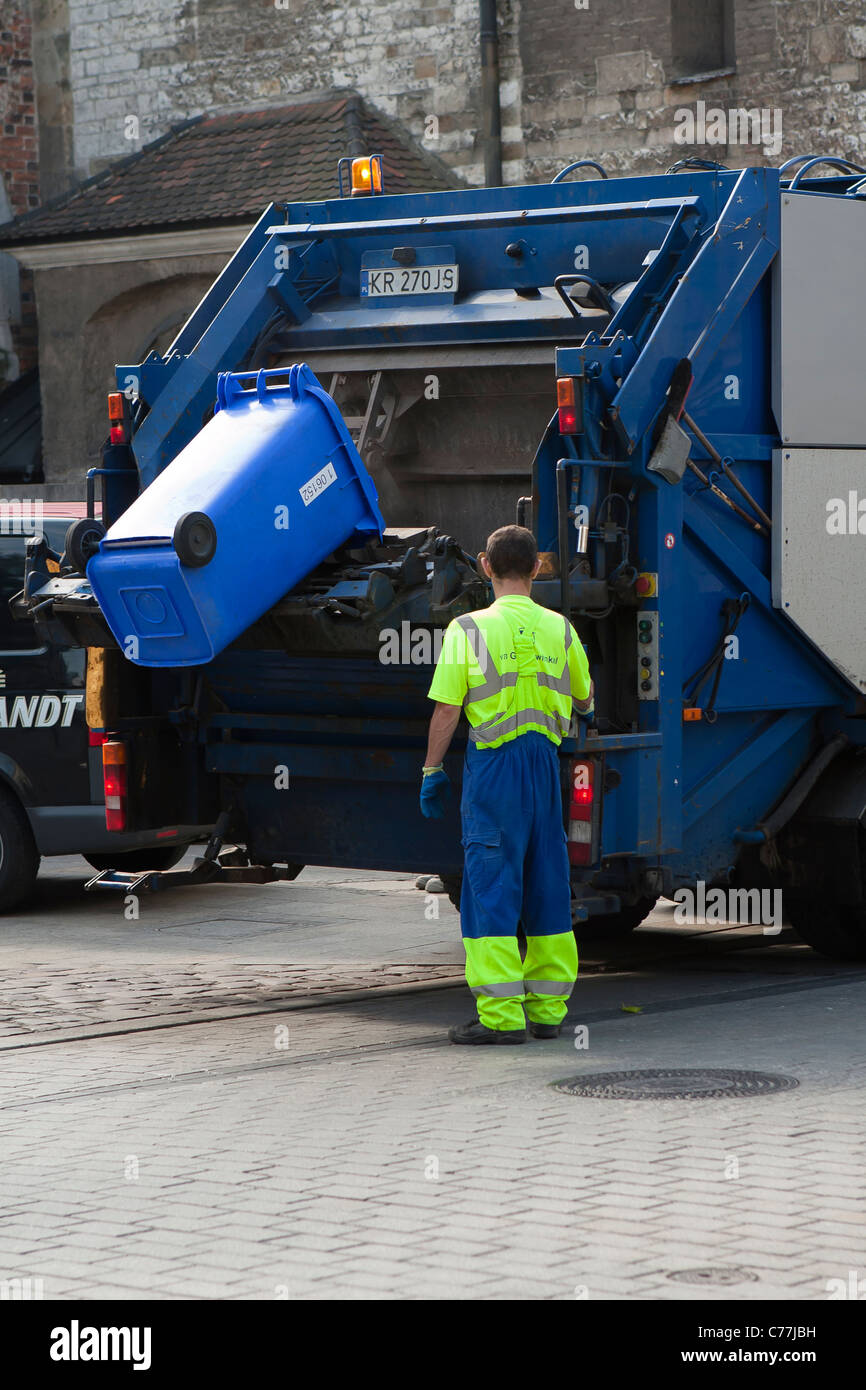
[686,1084]
[731,1275]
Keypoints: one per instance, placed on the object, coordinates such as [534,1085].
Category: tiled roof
[227,168]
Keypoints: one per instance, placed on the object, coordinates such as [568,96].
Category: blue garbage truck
[663,377]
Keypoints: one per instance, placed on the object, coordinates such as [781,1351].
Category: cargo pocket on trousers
[482,861]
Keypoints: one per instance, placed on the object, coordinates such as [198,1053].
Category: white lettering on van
[38,711]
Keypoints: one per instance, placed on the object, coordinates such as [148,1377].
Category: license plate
[416,279]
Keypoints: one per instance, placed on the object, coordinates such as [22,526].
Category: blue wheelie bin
[265,491]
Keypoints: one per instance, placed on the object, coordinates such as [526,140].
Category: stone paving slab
[357,1163]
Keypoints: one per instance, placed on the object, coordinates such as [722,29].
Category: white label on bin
[317,484]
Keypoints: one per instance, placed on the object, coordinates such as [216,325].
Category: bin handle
[301,378]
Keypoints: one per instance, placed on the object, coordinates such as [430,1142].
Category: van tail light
[580,812]
[114,783]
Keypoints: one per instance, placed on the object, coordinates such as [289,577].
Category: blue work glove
[435,791]
[586,716]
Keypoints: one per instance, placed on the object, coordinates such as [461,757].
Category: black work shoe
[475,1033]
[545,1030]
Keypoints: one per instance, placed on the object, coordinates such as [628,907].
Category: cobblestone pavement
[350,1151]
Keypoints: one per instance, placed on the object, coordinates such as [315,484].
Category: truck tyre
[831,929]
[453,883]
[610,926]
[195,539]
[19,857]
[136,861]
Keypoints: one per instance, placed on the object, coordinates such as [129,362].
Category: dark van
[51,784]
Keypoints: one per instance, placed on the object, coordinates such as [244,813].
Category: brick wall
[19,155]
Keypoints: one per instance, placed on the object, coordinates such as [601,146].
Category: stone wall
[19,169]
[602,78]
[138,66]
[91,317]
[611,81]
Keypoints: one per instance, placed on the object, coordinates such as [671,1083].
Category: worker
[520,672]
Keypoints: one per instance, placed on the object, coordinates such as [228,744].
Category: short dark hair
[511,552]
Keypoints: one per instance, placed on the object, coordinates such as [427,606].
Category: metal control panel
[647,655]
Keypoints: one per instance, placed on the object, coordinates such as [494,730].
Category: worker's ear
[537,568]
[485,567]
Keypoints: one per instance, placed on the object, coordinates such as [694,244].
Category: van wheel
[831,929]
[610,926]
[19,857]
[136,861]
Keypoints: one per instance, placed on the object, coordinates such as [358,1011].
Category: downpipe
[491,117]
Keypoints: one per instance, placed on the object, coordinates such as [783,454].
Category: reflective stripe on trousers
[541,984]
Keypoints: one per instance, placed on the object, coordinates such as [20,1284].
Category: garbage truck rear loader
[662,376]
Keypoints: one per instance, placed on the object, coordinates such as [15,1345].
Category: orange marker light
[115,405]
[366,175]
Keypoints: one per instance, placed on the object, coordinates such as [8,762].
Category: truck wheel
[453,883]
[136,861]
[19,857]
[829,928]
[610,926]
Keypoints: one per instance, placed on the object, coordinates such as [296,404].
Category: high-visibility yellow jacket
[514,667]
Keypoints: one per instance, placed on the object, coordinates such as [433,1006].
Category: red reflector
[166,834]
[117,434]
[96,737]
[567,420]
[580,849]
[581,791]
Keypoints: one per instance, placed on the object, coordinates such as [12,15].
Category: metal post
[491,120]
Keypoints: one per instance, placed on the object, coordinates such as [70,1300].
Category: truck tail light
[116,418]
[580,812]
[114,783]
[568,421]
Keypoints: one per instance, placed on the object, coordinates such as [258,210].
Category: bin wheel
[82,541]
[195,539]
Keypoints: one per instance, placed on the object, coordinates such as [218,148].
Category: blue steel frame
[700,246]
